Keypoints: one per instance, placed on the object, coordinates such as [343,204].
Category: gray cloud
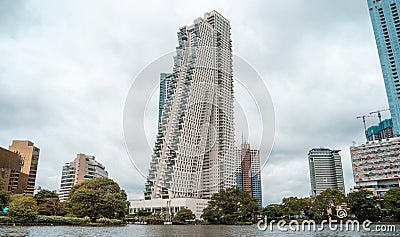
[66,67]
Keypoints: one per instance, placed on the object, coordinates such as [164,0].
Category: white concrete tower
[194,149]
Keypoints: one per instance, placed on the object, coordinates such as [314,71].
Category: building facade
[326,170]
[376,165]
[164,79]
[170,206]
[381,131]
[30,161]
[15,182]
[194,149]
[83,167]
[386,26]
[248,175]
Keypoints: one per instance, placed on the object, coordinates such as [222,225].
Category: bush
[244,223]
[60,220]
[7,219]
[23,208]
[108,221]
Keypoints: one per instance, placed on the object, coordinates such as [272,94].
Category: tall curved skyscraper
[194,154]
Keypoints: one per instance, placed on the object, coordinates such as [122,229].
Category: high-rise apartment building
[376,165]
[325,170]
[248,175]
[30,160]
[194,149]
[83,167]
[386,25]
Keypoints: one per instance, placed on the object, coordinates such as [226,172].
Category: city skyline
[70,74]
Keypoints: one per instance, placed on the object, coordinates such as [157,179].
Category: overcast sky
[66,68]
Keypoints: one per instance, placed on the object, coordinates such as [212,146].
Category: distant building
[170,206]
[386,25]
[381,131]
[248,176]
[376,165]
[15,182]
[325,170]
[83,167]
[30,160]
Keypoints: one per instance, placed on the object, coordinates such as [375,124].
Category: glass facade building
[325,170]
[248,175]
[386,25]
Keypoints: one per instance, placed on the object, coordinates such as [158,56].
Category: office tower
[15,182]
[386,25]
[248,175]
[194,148]
[82,168]
[325,170]
[381,131]
[376,165]
[30,160]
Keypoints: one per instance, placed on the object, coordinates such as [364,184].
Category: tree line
[361,205]
[98,200]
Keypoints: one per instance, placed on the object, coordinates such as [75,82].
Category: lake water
[173,230]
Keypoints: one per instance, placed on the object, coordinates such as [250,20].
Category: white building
[172,206]
[83,167]
[194,149]
[376,165]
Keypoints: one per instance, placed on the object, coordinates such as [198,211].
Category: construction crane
[365,124]
[379,114]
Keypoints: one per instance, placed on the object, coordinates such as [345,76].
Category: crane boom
[379,113]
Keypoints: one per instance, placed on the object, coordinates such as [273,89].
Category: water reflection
[160,230]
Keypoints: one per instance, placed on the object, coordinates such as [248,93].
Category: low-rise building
[171,206]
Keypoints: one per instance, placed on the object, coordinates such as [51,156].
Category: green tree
[48,202]
[293,206]
[364,205]
[273,212]
[184,214]
[23,208]
[97,198]
[51,207]
[41,196]
[230,206]
[325,204]
[391,200]
[4,196]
